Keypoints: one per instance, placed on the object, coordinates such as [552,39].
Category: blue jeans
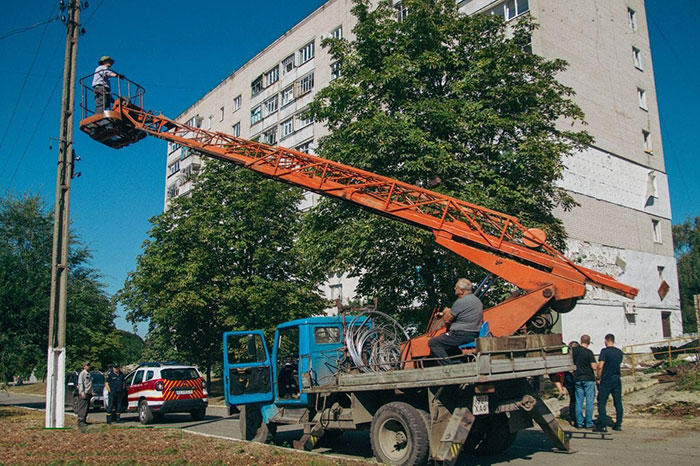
[585,391]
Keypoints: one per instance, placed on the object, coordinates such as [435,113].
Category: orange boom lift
[495,241]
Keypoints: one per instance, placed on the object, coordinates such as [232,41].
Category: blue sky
[179,51]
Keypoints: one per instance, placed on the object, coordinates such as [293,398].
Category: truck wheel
[145,413]
[490,435]
[399,435]
[252,426]
[198,414]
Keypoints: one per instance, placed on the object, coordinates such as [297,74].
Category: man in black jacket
[115,387]
[608,375]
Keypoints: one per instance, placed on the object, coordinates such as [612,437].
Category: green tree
[224,258]
[26,231]
[442,100]
[686,242]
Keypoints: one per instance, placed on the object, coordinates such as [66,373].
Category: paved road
[631,447]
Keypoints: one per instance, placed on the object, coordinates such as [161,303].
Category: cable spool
[373,340]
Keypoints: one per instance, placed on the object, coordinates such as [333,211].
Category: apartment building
[623,224]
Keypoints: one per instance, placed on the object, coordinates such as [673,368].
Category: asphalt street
[632,446]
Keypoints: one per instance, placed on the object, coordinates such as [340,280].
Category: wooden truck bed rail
[502,358]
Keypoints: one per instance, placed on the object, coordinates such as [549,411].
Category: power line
[36,127]
[17,31]
[24,83]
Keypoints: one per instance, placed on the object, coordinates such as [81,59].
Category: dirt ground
[25,441]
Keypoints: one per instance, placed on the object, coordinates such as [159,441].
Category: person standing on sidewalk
[608,377]
[84,395]
[115,385]
[584,378]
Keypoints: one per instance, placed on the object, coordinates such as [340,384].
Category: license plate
[480,405]
[184,392]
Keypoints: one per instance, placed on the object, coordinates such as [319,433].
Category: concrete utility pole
[56,363]
[696,300]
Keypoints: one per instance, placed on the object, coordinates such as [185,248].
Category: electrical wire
[24,83]
[17,31]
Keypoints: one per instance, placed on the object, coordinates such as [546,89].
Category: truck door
[247,368]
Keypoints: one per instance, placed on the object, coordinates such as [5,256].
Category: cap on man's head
[105,59]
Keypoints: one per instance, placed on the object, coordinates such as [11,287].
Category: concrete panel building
[623,224]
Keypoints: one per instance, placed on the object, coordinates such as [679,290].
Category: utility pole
[696,299]
[56,362]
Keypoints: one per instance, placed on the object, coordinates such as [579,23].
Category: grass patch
[689,378]
[25,441]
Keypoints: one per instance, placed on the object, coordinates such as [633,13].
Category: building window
[287,96]
[195,121]
[335,70]
[209,120]
[221,114]
[272,76]
[237,103]
[255,115]
[337,33]
[173,168]
[660,269]
[401,11]
[256,87]
[637,54]
[305,147]
[666,324]
[647,142]
[303,120]
[336,292]
[656,228]
[304,85]
[270,136]
[172,191]
[642,97]
[510,9]
[306,53]
[288,65]
[286,128]
[172,147]
[236,129]
[270,106]
[632,18]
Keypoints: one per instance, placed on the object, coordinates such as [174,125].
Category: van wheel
[399,435]
[252,426]
[145,413]
[198,414]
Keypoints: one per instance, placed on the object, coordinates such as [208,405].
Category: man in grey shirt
[84,395]
[101,84]
[464,321]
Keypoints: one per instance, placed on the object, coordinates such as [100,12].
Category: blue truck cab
[311,347]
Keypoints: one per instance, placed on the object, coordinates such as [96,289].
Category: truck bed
[495,359]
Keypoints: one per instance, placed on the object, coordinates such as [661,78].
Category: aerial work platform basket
[109,126]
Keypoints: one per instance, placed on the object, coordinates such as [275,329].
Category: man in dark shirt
[115,387]
[464,320]
[584,378]
[608,376]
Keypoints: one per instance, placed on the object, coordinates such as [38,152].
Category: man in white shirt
[101,85]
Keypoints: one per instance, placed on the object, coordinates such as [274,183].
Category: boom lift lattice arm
[495,241]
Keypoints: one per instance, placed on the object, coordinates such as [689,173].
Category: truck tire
[490,435]
[253,429]
[145,413]
[399,435]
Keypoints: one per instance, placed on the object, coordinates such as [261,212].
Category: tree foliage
[447,101]
[26,232]
[224,258]
[686,242]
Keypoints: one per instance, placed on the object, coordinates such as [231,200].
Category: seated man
[463,322]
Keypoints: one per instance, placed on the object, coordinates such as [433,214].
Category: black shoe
[617,428]
[600,429]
